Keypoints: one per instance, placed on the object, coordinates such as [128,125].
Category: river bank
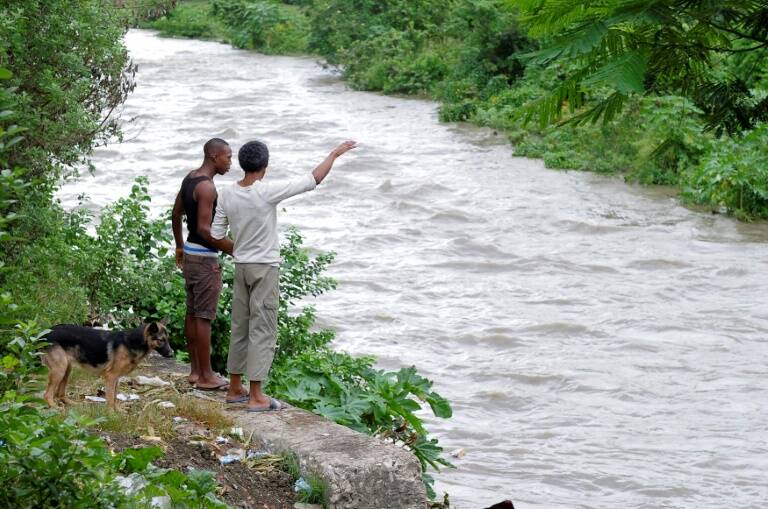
[471,58]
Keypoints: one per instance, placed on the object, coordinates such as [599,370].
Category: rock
[166,404]
[506,504]
[458,453]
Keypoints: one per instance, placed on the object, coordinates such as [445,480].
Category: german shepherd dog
[110,354]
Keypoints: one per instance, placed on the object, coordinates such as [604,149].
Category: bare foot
[264,405]
[236,393]
[212,384]
[193,378]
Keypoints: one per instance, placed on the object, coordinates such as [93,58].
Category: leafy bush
[188,19]
[733,176]
[51,461]
[267,26]
[139,11]
[71,71]
[20,361]
[351,392]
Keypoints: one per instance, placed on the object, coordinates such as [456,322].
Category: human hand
[180,258]
[344,147]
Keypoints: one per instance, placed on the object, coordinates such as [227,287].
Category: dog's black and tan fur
[110,354]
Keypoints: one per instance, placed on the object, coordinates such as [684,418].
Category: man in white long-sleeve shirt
[249,209]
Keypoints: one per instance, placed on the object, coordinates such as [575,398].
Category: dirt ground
[195,433]
[240,485]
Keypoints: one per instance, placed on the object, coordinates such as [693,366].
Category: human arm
[176,217]
[220,223]
[322,169]
[206,195]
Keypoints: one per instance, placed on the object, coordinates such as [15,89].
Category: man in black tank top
[198,258]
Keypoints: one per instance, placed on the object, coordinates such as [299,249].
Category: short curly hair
[253,156]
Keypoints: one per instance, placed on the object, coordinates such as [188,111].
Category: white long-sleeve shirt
[251,214]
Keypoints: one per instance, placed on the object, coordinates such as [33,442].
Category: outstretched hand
[344,147]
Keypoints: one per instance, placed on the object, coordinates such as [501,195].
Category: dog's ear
[153,328]
[165,321]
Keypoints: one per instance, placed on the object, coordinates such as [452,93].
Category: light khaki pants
[254,320]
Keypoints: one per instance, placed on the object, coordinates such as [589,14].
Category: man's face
[222,160]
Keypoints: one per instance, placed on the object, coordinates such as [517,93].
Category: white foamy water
[602,346]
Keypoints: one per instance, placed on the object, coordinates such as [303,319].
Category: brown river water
[602,346]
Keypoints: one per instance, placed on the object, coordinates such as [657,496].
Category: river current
[602,346]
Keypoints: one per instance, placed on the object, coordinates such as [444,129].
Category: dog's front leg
[110,387]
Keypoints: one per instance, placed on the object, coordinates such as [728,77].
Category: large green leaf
[624,73]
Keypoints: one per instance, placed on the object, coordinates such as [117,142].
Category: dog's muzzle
[165,350]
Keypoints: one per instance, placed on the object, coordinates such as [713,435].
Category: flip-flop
[239,399]
[273,405]
[224,386]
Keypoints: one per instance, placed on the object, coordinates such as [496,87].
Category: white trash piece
[163,502]
[166,404]
[229,458]
[96,399]
[154,381]
[131,484]
[128,397]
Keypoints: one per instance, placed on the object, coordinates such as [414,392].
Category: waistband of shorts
[194,258]
[190,248]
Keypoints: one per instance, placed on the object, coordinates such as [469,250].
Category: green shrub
[351,392]
[733,176]
[50,461]
[188,19]
[71,71]
[266,26]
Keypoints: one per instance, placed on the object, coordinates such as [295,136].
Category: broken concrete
[361,472]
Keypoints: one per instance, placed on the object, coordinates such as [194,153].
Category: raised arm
[206,194]
[178,236]
[323,168]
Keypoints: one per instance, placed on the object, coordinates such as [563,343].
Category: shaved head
[213,146]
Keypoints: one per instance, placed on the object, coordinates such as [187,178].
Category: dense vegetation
[659,91]
[64,74]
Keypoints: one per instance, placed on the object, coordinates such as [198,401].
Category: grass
[318,487]
[144,417]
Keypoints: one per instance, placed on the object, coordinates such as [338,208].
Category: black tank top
[190,209]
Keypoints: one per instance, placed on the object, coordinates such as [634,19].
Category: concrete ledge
[362,472]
